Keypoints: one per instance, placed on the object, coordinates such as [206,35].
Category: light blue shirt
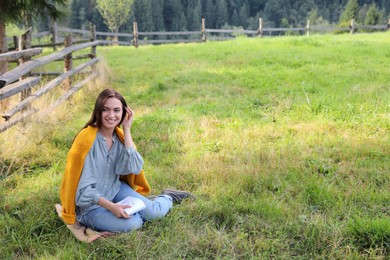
[101,171]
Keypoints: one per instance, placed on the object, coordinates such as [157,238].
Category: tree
[210,13]
[198,15]
[275,10]
[315,19]
[143,15]
[372,15]
[362,12]
[84,12]
[174,15]
[350,12]
[222,14]
[115,13]
[15,11]
[243,15]
[157,14]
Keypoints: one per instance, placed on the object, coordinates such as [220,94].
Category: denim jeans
[101,219]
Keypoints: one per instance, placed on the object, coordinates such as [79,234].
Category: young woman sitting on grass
[102,168]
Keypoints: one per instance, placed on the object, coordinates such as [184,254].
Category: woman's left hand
[128,120]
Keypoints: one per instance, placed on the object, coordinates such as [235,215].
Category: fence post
[68,62]
[53,30]
[388,25]
[352,26]
[16,42]
[135,34]
[25,43]
[308,27]
[3,49]
[93,48]
[93,38]
[204,38]
[260,29]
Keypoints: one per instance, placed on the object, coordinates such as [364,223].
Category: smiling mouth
[111,121]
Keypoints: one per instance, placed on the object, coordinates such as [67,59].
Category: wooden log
[93,38]
[3,49]
[260,29]
[84,56]
[53,83]
[104,42]
[169,33]
[283,29]
[18,87]
[53,31]
[113,34]
[25,43]
[231,31]
[378,27]
[68,62]
[56,44]
[21,117]
[203,31]
[43,45]
[69,30]
[71,91]
[135,34]
[16,42]
[168,41]
[13,75]
[46,74]
[308,28]
[15,55]
[40,34]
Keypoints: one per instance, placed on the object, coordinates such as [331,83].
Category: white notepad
[135,203]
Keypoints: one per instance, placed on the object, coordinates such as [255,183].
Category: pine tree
[143,15]
[210,13]
[275,11]
[235,20]
[372,15]
[222,14]
[350,12]
[198,15]
[243,16]
[74,21]
[157,14]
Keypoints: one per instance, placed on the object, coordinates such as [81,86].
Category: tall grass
[284,141]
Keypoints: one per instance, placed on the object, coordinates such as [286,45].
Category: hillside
[284,141]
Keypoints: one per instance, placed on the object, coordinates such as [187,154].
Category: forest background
[186,15]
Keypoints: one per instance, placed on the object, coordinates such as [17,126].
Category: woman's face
[112,113]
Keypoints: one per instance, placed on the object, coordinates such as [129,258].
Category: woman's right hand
[128,119]
[118,210]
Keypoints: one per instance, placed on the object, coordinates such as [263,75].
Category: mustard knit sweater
[74,166]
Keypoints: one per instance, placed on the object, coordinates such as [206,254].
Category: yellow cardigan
[74,166]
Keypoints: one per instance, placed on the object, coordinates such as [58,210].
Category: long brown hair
[96,117]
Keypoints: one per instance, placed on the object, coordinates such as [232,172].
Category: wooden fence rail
[137,38]
[22,78]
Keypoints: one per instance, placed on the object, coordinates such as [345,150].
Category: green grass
[284,141]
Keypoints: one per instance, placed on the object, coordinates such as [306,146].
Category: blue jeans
[101,219]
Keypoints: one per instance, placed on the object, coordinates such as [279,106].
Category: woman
[103,168]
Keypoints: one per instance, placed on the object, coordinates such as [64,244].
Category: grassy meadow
[284,141]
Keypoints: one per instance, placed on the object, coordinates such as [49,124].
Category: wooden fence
[24,77]
[136,38]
